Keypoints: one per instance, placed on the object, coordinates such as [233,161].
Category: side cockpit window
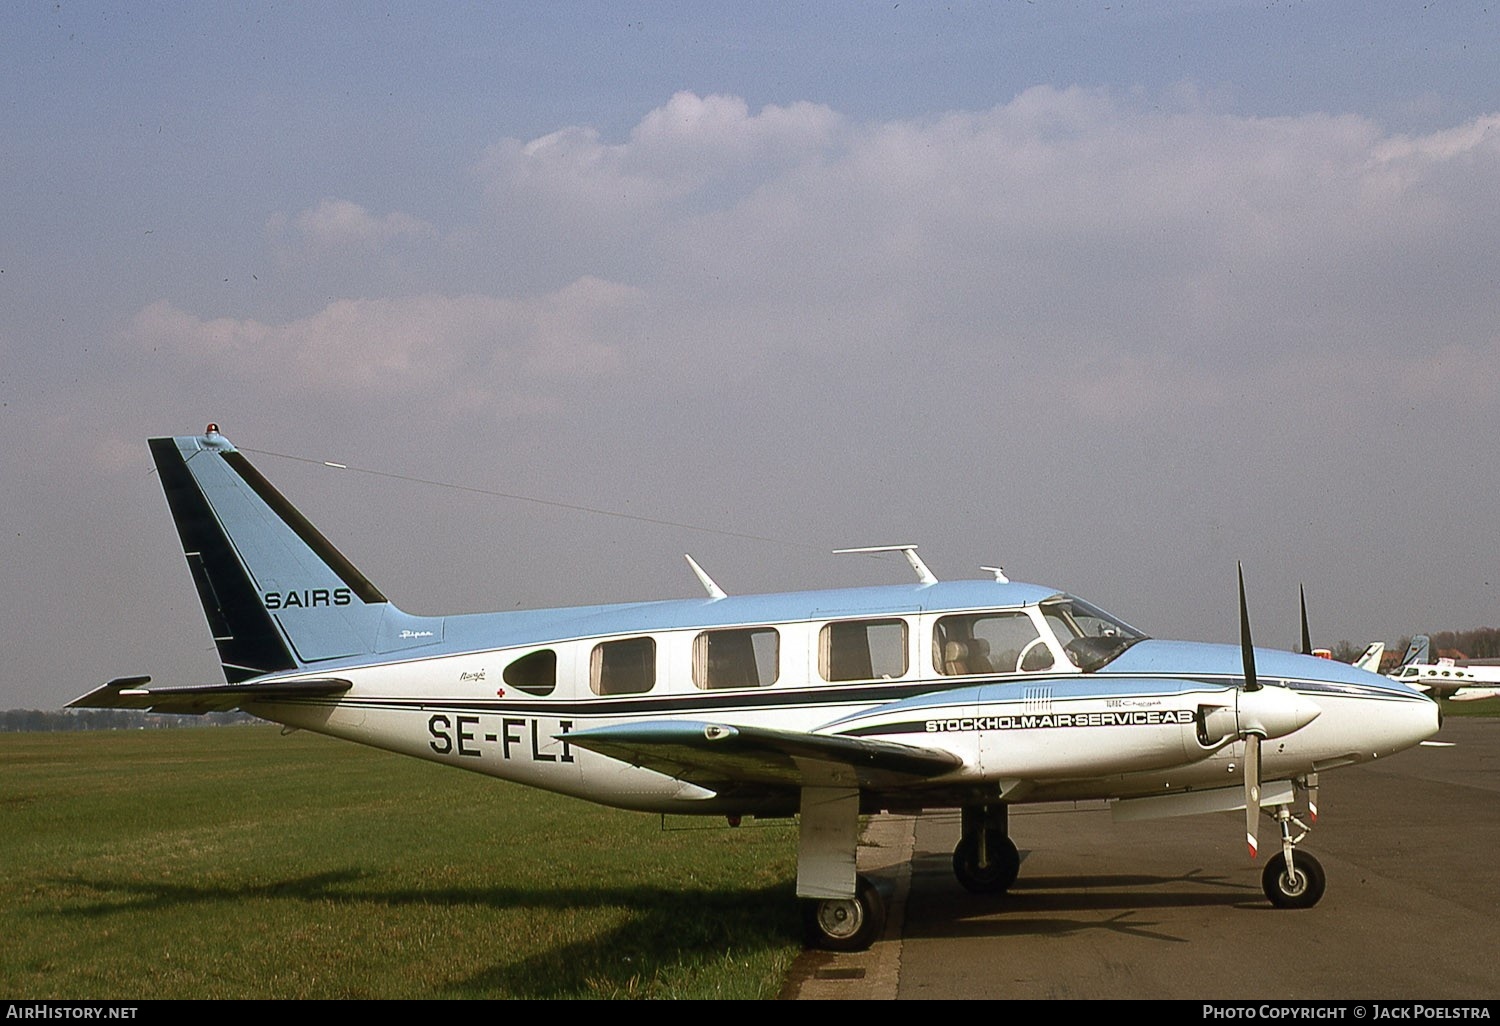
[989,643]
[535,674]
[624,667]
[737,658]
[863,650]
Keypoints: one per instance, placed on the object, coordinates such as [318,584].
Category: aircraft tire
[845,924]
[996,878]
[1301,889]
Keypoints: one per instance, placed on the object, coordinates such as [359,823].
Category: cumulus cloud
[1118,254]
[337,222]
[480,347]
[339,228]
[692,151]
[1092,224]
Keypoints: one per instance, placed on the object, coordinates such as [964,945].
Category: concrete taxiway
[1173,909]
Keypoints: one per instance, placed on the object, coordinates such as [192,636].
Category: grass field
[234,862]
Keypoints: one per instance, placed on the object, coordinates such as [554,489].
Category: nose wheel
[1295,883]
[1292,879]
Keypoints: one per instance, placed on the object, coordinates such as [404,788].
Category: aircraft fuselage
[1127,729]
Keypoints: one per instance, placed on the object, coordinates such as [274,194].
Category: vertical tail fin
[277,594]
[1419,651]
[1370,659]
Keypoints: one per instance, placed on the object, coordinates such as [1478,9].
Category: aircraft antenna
[476,490]
[999,572]
[909,551]
[714,591]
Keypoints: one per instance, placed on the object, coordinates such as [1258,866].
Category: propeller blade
[1306,634]
[1312,796]
[1252,738]
[1252,790]
[1247,651]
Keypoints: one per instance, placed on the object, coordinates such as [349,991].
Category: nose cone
[1364,714]
[1376,724]
[1275,712]
[1424,724]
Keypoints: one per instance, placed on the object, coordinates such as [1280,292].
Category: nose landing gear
[1292,879]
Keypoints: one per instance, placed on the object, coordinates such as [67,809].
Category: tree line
[1482,643]
[19,720]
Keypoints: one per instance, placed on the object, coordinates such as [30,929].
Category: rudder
[276,593]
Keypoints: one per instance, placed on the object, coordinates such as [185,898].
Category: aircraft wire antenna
[554,503]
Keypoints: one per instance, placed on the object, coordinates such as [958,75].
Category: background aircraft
[1460,680]
[1370,658]
[827,705]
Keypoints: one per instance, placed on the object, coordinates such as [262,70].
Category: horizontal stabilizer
[719,756]
[134,693]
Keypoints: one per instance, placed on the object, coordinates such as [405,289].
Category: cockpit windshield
[1090,636]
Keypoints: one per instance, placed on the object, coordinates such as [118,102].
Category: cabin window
[535,674]
[862,650]
[989,643]
[739,658]
[625,667]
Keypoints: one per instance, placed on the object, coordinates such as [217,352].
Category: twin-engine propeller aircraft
[1459,680]
[976,695]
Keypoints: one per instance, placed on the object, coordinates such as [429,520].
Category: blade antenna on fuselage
[924,575]
[714,591]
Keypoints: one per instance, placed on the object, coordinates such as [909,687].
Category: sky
[1114,295]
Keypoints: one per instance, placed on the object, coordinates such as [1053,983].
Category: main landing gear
[986,860]
[1292,879]
[845,924]
[841,910]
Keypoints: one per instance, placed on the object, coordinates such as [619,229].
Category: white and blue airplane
[824,705]
[1458,680]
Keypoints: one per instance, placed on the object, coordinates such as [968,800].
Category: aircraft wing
[134,693]
[720,757]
